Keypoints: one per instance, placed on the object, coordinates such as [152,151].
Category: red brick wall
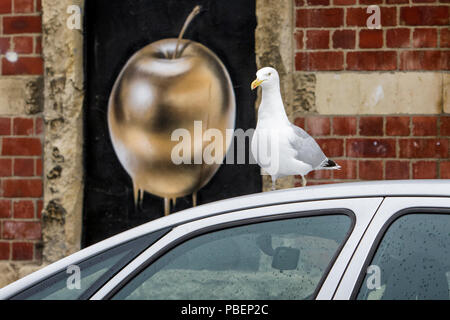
[381,147]
[332,35]
[21,32]
[20,137]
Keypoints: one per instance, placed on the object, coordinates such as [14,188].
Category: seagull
[279,147]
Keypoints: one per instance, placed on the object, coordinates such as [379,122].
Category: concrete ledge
[381,93]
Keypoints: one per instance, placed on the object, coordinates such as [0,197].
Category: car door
[404,254]
[289,251]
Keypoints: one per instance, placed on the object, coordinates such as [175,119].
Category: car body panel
[388,209]
[363,209]
[401,188]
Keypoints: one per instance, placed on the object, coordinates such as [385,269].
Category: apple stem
[189,19]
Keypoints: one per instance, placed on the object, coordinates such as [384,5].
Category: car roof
[413,188]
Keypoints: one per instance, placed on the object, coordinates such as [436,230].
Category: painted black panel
[114,30]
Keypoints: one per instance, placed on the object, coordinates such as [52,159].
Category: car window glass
[93,272]
[412,261]
[282,259]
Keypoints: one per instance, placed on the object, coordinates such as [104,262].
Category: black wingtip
[331,164]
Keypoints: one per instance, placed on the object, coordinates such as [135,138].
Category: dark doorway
[114,31]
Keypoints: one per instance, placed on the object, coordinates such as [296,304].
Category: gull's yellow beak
[256,84]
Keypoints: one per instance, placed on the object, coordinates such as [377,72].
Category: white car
[370,240]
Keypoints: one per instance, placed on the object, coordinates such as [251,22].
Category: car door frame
[390,210]
[362,208]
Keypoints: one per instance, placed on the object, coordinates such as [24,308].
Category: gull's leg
[303,181]
[273,184]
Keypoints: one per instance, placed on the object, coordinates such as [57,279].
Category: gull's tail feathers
[330,165]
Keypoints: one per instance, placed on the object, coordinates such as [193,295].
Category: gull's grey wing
[307,148]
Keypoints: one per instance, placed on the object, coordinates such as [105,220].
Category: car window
[93,272]
[412,261]
[282,259]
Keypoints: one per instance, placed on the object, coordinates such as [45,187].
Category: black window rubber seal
[243,222]
[376,243]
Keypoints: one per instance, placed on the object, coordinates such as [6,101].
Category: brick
[397,170]
[23,66]
[22,188]
[23,126]
[370,39]
[332,147]
[23,6]
[39,126]
[325,61]
[344,39]
[423,1]
[348,169]
[5,167]
[22,147]
[39,208]
[359,16]
[344,2]
[318,126]
[39,167]
[24,209]
[22,24]
[5,126]
[299,39]
[424,170]
[445,170]
[4,250]
[317,39]
[5,6]
[299,3]
[445,126]
[445,38]
[5,45]
[371,61]
[300,122]
[38,5]
[21,230]
[24,167]
[424,38]
[425,60]
[371,126]
[423,148]
[396,1]
[5,209]
[371,170]
[318,2]
[370,2]
[22,251]
[344,126]
[424,126]
[397,126]
[23,44]
[424,16]
[371,148]
[398,38]
[318,18]
[38,45]
[319,175]
[38,248]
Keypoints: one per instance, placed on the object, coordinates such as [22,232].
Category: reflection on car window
[94,272]
[412,261]
[283,259]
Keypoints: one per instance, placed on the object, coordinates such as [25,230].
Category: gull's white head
[266,77]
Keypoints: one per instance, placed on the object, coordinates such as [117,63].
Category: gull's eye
[269,74]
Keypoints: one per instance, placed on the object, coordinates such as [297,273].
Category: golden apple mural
[165,86]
